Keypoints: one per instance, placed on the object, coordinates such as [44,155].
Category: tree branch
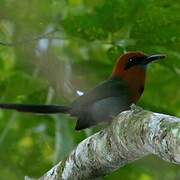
[131,136]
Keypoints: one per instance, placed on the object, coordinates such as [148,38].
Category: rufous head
[130,61]
[131,68]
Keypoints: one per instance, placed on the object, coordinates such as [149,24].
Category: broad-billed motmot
[106,100]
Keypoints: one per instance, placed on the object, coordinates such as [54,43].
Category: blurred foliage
[49,49]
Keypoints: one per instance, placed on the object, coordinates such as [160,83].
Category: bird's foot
[136,109]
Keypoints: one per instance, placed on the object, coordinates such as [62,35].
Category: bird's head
[131,62]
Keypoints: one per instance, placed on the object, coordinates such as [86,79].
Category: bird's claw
[136,109]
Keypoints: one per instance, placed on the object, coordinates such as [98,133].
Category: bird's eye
[130,59]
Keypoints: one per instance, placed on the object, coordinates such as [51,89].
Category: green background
[50,49]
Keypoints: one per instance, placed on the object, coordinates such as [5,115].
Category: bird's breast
[135,78]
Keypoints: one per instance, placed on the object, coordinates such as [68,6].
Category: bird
[109,98]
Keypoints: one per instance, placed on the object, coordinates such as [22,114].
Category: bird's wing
[109,88]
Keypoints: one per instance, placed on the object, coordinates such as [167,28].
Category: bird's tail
[40,109]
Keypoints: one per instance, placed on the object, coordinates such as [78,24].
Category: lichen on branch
[132,135]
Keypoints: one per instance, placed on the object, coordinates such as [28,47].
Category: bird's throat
[135,78]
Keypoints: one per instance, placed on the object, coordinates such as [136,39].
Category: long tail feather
[42,109]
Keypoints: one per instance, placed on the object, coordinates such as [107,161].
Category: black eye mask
[142,60]
[133,62]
